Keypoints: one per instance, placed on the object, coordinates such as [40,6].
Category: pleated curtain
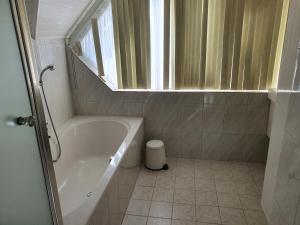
[228,44]
[208,44]
[132,42]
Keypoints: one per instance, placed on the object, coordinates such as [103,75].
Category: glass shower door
[23,193]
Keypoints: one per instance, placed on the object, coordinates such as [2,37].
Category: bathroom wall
[56,83]
[286,201]
[204,125]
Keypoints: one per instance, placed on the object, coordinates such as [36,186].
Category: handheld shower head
[50,67]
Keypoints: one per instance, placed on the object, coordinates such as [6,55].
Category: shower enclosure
[27,181]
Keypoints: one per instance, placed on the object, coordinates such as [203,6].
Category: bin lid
[155,144]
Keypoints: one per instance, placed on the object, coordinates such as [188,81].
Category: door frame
[30,73]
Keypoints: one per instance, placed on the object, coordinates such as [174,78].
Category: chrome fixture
[50,67]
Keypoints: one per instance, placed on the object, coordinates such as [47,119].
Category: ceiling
[55,17]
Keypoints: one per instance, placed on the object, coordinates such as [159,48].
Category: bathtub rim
[82,214]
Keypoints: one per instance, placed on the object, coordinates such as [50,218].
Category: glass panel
[23,196]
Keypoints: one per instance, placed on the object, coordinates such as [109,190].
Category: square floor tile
[184,196]
[165,181]
[182,162]
[185,183]
[206,198]
[251,202]
[204,173]
[183,212]
[146,180]
[158,221]
[142,193]
[229,200]
[161,209]
[134,220]
[208,214]
[255,218]
[163,195]
[231,216]
[223,174]
[247,188]
[138,207]
[183,222]
[185,172]
[205,185]
[226,186]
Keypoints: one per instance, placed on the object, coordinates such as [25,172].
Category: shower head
[50,67]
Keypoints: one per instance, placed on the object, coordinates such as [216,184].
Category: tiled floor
[195,192]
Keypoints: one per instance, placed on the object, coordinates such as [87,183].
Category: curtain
[189,44]
[131,24]
[228,44]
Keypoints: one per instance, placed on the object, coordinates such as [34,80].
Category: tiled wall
[219,126]
[56,83]
[286,206]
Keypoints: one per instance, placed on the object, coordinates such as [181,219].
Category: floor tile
[183,212]
[208,214]
[204,173]
[205,185]
[161,209]
[138,207]
[184,196]
[146,180]
[229,200]
[158,221]
[165,181]
[185,183]
[231,216]
[206,198]
[182,162]
[242,175]
[142,193]
[163,195]
[185,172]
[251,202]
[247,188]
[223,174]
[134,220]
[203,164]
[255,218]
[183,222]
[226,186]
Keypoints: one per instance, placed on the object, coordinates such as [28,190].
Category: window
[157,43]
[106,35]
[88,48]
[189,44]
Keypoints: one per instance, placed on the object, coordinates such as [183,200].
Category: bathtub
[98,167]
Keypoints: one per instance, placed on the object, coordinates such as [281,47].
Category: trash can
[156,155]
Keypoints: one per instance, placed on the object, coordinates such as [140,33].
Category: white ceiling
[55,17]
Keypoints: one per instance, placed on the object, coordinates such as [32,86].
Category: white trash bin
[156,155]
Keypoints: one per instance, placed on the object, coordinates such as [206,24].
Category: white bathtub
[93,148]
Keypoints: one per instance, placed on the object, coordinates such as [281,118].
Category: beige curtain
[132,42]
[228,44]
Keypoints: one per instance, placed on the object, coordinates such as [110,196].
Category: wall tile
[215,98]
[255,147]
[293,121]
[222,146]
[179,119]
[192,145]
[192,119]
[257,119]
[235,119]
[213,116]
[235,98]
[287,192]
